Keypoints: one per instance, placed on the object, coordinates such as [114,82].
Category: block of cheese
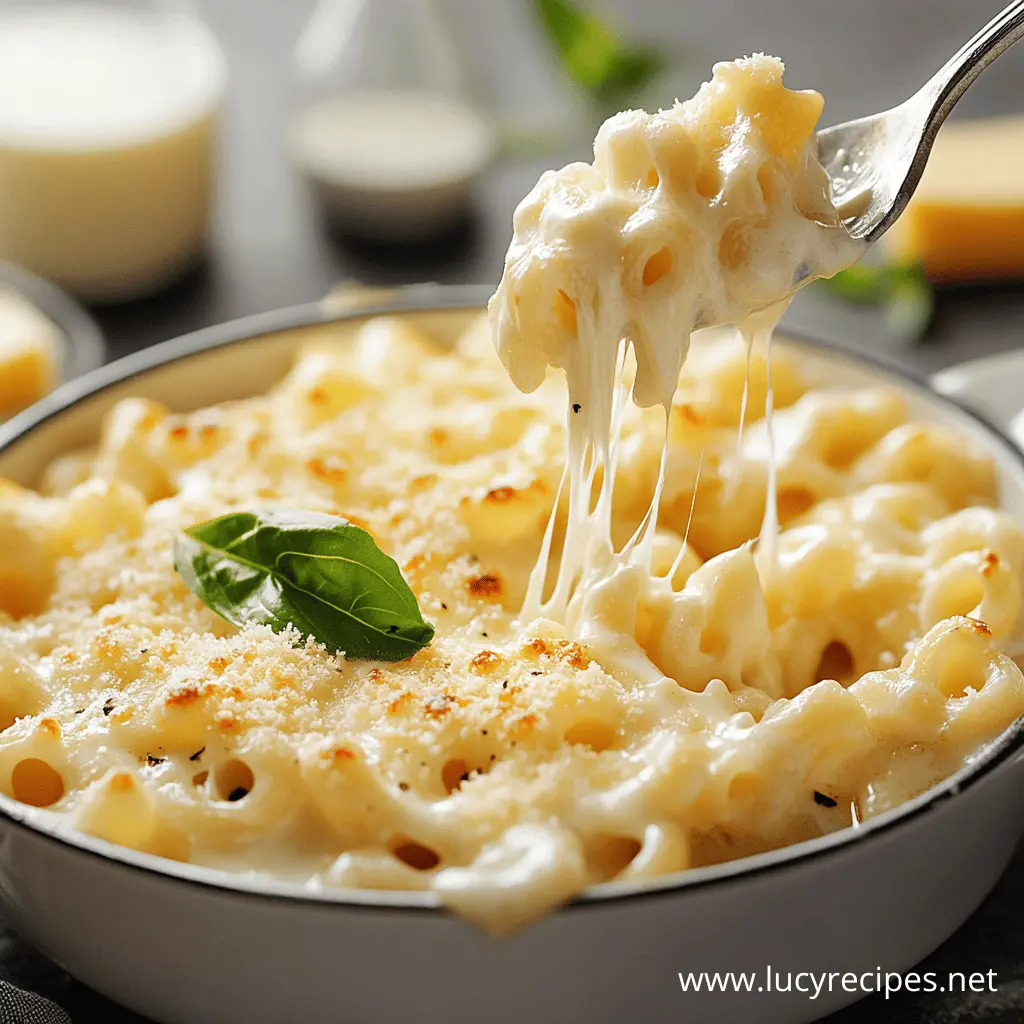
[966,220]
[29,353]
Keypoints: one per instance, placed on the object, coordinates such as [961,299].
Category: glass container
[108,115]
[384,129]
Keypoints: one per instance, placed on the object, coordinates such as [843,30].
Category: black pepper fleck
[444,606]
[151,759]
[825,801]
[403,786]
[108,706]
[504,685]
[198,754]
[576,406]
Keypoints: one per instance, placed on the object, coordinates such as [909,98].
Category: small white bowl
[392,166]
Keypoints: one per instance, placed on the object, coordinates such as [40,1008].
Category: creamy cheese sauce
[721,648]
[709,213]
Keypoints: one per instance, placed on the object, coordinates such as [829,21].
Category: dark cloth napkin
[20,1007]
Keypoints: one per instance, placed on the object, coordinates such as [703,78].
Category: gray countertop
[269,249]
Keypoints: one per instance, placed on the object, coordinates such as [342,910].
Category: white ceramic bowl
[181,944]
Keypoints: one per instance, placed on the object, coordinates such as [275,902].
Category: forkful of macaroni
[713,212]
[709,213]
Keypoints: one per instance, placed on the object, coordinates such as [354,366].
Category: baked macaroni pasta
[637,689]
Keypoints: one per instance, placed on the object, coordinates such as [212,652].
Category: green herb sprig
[594,55]
[320,574]
[902,289]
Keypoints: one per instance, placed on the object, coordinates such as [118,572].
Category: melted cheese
[669,698]
[711,212]
[510,764]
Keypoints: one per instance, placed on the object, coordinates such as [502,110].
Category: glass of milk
[108,114]
[384,130]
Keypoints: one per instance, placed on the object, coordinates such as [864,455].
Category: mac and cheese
[703,700]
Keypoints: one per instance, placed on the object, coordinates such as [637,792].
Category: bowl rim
[48,826]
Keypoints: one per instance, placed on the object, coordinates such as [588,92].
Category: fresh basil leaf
[318,573]
[592,53]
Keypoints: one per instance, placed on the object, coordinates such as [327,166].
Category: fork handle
[955,76]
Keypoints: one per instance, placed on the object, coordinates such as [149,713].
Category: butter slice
[29,353]
[966,220]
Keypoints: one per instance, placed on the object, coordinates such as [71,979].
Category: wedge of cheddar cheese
[29,353]
[966,220]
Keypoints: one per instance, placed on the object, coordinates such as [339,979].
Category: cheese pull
[966,220]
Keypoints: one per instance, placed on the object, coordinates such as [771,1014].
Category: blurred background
[170,164]
[215,158]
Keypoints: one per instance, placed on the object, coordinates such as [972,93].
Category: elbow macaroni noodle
[721,699]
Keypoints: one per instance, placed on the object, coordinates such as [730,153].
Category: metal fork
[876,162]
